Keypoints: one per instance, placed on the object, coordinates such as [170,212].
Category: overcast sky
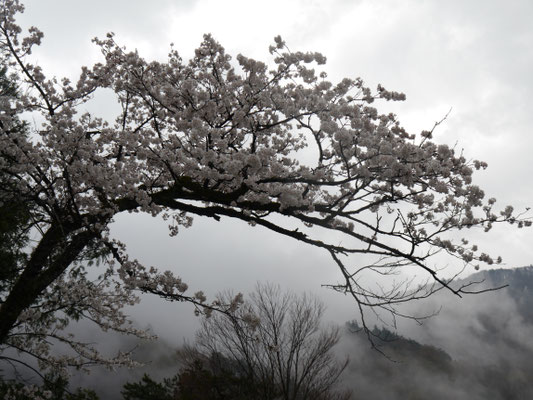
[474,57]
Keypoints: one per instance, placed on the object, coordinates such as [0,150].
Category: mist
[477,347]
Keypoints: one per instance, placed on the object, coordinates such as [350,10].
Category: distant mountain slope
[520,286]
[489,356]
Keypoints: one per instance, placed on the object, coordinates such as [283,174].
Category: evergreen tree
[15,220]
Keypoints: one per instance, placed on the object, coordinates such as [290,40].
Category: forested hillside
[490,356]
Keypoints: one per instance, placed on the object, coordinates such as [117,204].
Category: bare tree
[275,342]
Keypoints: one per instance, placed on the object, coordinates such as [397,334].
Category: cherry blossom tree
[274,145]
